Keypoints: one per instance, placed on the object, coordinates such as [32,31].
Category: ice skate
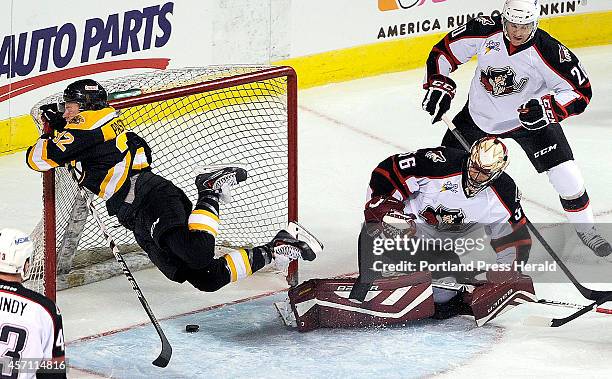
[295,242]
[220,179]
[594,241]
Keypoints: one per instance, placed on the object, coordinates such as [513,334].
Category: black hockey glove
[539,113]
[52,116]
[440,92]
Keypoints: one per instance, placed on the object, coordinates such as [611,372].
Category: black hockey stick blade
[166,353]
[556,322]
[360,290]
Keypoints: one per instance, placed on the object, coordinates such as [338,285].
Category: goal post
[189,117]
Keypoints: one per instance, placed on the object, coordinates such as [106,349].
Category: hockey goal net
[189,117]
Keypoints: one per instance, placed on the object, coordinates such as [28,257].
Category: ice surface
[249,340]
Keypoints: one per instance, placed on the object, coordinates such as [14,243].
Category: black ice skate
[595,242]
[295,242]
[220,179]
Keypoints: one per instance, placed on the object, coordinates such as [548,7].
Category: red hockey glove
[538,113]
[440,92]
[386,214]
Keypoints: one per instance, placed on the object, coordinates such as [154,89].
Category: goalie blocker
[325,303]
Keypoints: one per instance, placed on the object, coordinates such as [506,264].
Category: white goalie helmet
[487,161]
[521,12]
[16,252]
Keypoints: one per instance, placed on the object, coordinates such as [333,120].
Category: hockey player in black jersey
[442,191]
[31,331]
[526,82]
[114,164]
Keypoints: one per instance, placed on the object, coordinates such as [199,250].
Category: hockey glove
[385,217]
[539,113]
[440,92]
[52,116]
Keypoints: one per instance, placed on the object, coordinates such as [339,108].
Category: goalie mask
[523,14]
[488,159]
[16,252]
[88,93]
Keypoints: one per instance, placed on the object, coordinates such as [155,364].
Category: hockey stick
[470,288]
[556,322]
[164,357]
[451,126]
[586,292]
[607,311]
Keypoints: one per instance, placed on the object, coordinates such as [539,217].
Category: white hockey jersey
[507,76]
[30,331]
[429,182]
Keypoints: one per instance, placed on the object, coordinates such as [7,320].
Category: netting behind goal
[189,117]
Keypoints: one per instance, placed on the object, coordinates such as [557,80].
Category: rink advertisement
[385,36]
[43,48]
[422,16]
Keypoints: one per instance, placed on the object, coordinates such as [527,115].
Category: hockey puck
[191,328]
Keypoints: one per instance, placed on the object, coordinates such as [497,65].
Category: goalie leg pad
[500,295]
[326,303]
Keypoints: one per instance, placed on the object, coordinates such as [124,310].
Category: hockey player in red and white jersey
[435,193]
[526,82]
[31,331]
[442,191]
[447,190]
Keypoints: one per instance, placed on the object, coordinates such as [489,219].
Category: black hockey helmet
[88,93]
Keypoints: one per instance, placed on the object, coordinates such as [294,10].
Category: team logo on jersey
[485,20]
[443,218]
[501,81]
[492,45]
[435,156]
[564,54]
[450,186]
[77,120]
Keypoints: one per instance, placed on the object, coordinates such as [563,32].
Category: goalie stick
[164,357]
[556,303]
[587,293]
[556,322]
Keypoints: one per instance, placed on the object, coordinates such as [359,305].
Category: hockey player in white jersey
[435,192]
[526,82]
[444,189]
[31,331]
[439,191]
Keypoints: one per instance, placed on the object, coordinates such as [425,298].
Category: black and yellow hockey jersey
[97,144]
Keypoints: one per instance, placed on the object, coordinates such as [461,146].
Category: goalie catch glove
[539,113]
[385,217]
[440,92]
[52,116]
